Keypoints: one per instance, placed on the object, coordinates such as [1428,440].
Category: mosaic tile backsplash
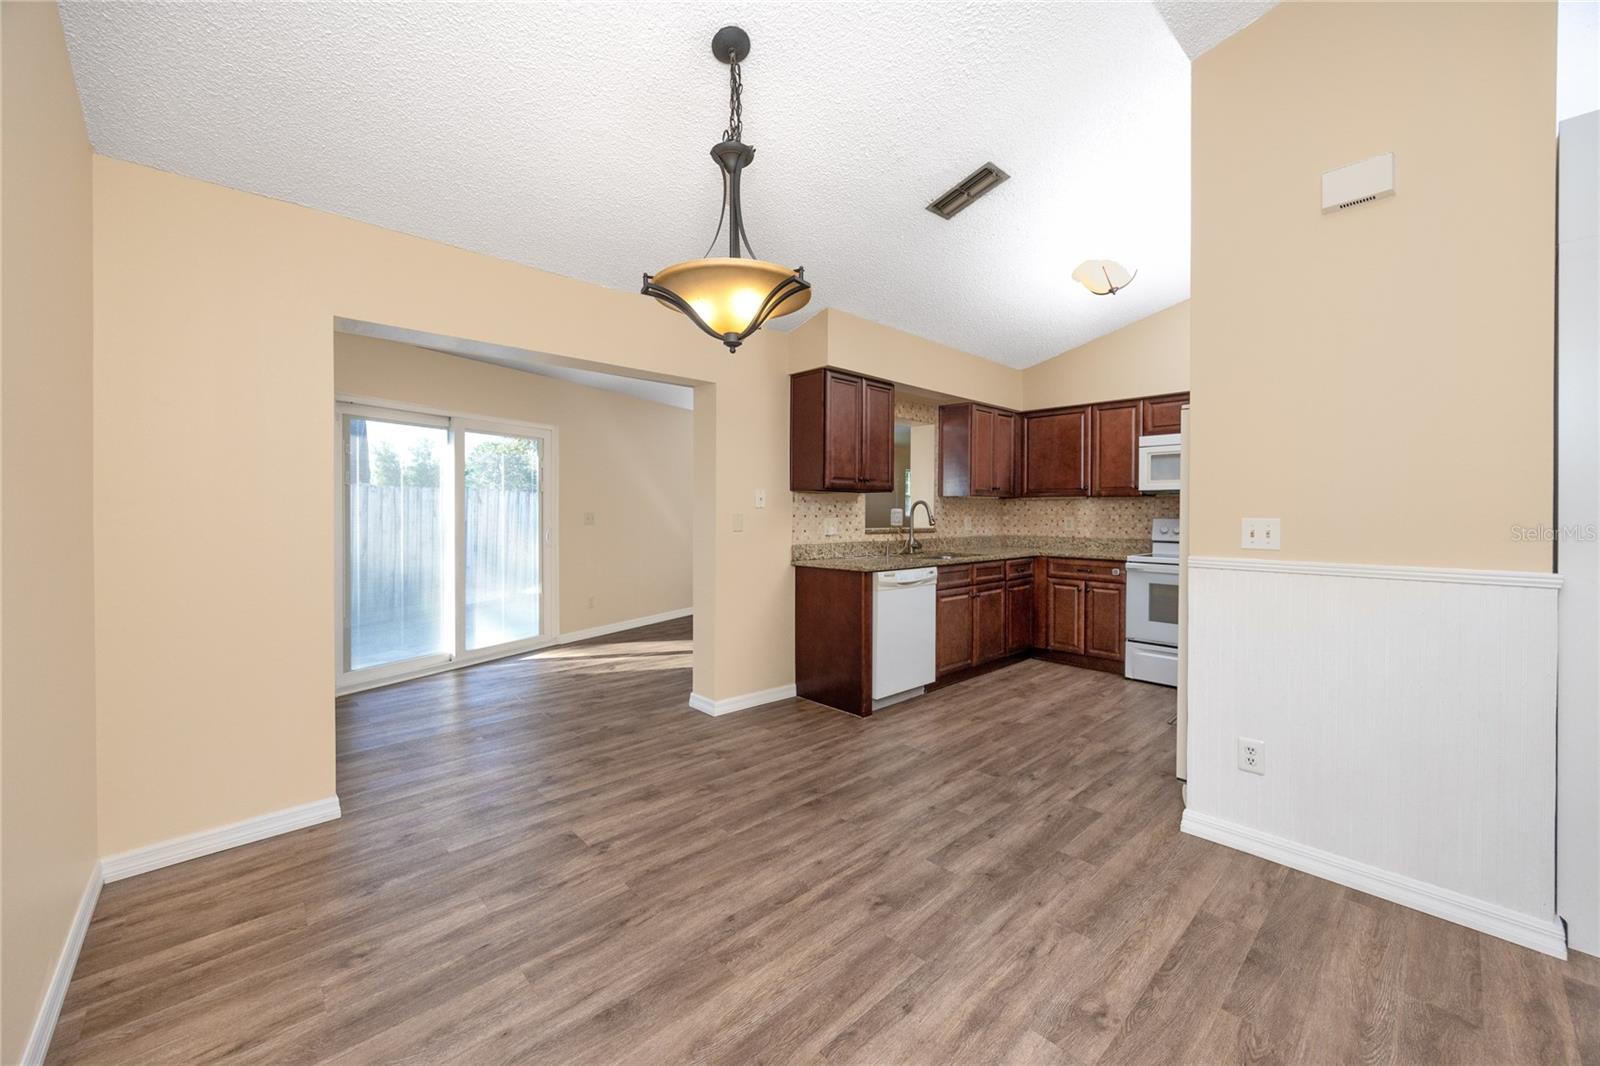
[1108,518]
[1128,517]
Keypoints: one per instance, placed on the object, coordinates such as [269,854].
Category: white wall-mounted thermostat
[1358,183]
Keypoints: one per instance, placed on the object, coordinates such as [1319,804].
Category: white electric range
[1151,649]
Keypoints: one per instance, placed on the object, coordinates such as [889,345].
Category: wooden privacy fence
[397,567]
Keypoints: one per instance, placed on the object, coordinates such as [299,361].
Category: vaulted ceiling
[573,137]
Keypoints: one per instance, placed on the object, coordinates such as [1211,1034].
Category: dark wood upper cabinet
[877,435]
[1055,452]
[977,450]
[1114,449]
[842,446]
[982,458]
[841,432]
[1161,414]
[1007,428]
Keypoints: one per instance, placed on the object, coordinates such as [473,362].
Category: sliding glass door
[397,542]
[445,541]
[502,528]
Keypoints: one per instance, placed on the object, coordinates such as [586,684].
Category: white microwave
[1160,463]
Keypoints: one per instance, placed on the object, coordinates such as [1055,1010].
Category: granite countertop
[1110,549]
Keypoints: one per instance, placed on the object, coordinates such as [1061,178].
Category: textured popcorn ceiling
[573,137]
[1201,25]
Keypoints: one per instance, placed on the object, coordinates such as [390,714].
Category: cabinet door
[1162,414]
[982,456]
[1064,614]
[1019,615]
[953,630]
[1055,451]
[1004,465]
[955,450]
[877,437]
[1114,449]
[842,432]
[988,623]
[1104,617]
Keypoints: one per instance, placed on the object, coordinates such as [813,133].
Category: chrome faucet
[913,545]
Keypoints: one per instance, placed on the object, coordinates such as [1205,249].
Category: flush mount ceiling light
[732,296]
[1103,277]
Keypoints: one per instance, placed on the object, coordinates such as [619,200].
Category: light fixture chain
[735,130]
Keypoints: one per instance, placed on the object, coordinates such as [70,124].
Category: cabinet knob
[1116,571]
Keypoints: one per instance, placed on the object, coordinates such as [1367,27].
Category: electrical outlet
[831,528]
[966,522]
[588,518]
[738,522]
[591,603]
[1259,534]
[1252,756]
[761,498]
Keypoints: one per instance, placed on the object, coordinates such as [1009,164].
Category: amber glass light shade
[730,295]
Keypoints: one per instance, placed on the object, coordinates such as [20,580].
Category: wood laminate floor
[553,859]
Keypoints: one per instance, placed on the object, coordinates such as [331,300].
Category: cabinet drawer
[954,576]
[1098,568]
[1019,568]
[988,573]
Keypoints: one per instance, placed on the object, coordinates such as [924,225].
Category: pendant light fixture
[732,296]
[1103,277]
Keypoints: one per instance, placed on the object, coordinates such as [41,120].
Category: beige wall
[844,340]
[47,729]
[214,327]
[1146,358]
[629,462]
[1379,378]
[220,305]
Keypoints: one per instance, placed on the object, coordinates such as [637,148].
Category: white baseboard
[1545,935]
[44,1023]
[210,841]
[713,707]
[627,623]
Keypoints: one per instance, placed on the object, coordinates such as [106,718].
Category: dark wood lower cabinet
[833,638]
[1103,619]
[988,623]
[1063,607]
[953,629]
[1067,610]
[1019,614]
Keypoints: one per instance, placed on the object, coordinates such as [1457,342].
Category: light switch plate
[1259,534]
[738,522]
[761,498]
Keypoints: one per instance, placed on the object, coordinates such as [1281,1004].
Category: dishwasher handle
[904,579]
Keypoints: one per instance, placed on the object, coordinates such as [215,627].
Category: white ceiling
[573,137]
[1201,25]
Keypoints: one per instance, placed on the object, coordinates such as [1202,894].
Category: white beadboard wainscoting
[1408,716]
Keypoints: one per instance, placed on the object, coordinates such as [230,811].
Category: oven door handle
[1154,568]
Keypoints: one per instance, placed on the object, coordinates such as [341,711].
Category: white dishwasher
[904,607]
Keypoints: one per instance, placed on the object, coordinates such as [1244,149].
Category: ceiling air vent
[968,189]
